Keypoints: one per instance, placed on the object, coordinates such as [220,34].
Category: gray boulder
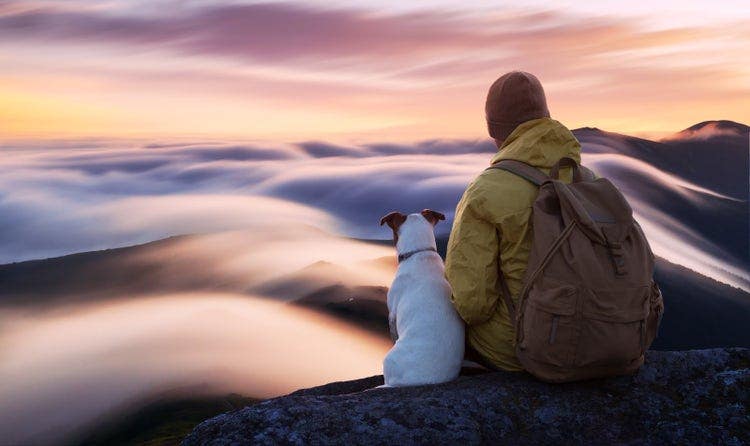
[690,397]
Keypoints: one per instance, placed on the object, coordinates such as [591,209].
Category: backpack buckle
[617,254]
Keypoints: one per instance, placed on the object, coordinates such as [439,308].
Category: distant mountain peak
[583,132]
[721,124]
[711,129]
[588,130]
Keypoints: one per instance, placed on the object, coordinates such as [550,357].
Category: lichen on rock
[690,397]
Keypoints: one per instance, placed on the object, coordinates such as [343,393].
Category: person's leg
[493,343]
[474,356]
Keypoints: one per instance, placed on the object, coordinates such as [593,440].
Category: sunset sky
[242,154]
[369,70]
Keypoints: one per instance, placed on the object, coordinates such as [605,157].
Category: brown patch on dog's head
[432,216]
[394,221]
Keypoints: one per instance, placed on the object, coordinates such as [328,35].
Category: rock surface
[691,397]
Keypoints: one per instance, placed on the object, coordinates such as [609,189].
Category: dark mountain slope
[700,312]
[99,274]
[714,155]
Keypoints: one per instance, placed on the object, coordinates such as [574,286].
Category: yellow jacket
[493,219]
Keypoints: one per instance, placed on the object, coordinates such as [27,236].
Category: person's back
[493,218]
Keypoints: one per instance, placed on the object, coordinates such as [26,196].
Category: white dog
[428,332]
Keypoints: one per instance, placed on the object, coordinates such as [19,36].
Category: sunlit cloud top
[376,71]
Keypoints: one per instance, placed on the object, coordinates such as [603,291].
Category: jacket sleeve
[471,261]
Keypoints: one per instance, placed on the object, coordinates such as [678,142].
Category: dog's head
[395,220]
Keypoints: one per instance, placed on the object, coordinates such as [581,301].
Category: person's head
[513,99]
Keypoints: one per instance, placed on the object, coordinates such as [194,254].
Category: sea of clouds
[60,198]
[55,200]
[266,212]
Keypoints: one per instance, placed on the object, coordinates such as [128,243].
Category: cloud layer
[55,202]
[57,377]
[284,206]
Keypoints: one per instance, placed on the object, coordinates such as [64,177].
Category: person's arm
[471,261]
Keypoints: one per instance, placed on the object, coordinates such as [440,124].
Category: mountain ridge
[719,123]
[701,312]
[724,124]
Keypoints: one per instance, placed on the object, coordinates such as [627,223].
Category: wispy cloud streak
[395,72]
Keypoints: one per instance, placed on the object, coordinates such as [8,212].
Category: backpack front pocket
[613,327]
[549,325]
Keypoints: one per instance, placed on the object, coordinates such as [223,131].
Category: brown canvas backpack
[589,305]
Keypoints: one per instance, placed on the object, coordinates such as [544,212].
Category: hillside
[694,183]
[700,312]
[696,153]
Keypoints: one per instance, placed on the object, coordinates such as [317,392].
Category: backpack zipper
[553,331]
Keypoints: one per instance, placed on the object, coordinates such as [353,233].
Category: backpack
[589,306]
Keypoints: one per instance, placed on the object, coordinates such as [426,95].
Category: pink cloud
[396,73]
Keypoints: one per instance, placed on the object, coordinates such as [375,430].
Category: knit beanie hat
[513,99]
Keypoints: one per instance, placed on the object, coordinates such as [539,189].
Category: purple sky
[377,71]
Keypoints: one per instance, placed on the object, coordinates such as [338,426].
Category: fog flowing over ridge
[272,228]
[55,202]
[202,315]
[103,194]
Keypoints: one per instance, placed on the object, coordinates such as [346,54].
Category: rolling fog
[63,369]
[103,194]
[69,362]
[265,215]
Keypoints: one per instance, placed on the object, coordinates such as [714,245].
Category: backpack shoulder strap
[536,177]
[523,170]
[532,174]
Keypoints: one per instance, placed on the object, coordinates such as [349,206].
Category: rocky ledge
[690,397]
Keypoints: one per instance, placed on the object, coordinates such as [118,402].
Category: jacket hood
[540,143]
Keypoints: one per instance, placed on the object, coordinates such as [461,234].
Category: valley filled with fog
[262,268]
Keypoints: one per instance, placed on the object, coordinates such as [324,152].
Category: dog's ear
[432,216]
[394,220]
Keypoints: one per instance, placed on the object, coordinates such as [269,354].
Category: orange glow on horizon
[376,78]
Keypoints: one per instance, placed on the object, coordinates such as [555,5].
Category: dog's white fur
[430,334]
